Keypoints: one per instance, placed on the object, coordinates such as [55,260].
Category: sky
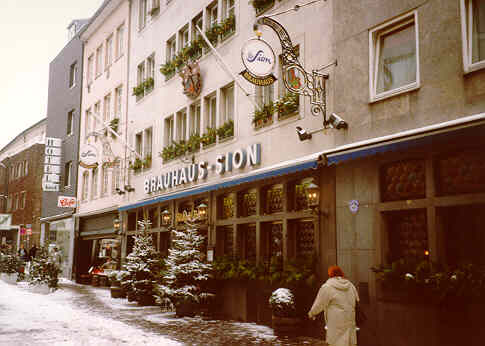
[32,33]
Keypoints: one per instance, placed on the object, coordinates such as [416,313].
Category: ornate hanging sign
[191,80]
[259,59]
[88,156]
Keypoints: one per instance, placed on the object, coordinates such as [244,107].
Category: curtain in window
[397,59]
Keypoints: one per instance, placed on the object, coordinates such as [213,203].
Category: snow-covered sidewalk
[28,318]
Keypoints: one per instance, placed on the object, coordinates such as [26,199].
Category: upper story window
[70,123]
[118,101]
[473,32]
[107,108]
[197,22]
[90,70]
[68,174]
[171,49]
[85,186]
[265,94]
[169,131]
[26,167]
[150,78]
[212,15]
[211,111]
[228,8]
[194,124]
[94,183]
[109,51]
[99,60]
[143,146]
[228,104]
[394,52]
[142,14]
[120,33]
[116,176]
[182,125]
[105,181]
[87,123]
[184,37]
[72,75]
[20,170]
[155,7]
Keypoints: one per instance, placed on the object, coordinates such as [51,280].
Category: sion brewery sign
[224,163]
[259,59]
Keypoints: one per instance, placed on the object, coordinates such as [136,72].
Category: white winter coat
[337,297]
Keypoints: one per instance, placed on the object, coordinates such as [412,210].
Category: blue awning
[305,163]
[463,130]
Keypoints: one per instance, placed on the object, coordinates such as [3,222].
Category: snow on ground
[32,319]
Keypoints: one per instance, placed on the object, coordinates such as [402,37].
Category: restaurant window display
[246,242]
[107,252]
[227,207]
[274,199]
[60,238]
[225,240]
[271,239]
[248,202]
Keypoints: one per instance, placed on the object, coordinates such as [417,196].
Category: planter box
[41,289]
[117,292]
[185,309]
[286,326]
[263,123]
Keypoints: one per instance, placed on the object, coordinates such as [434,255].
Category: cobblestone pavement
[190,331]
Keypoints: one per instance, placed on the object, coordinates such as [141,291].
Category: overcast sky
[32,33]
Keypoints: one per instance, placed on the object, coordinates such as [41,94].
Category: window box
[136,165]
[228,27]
[139,90]
[168,70]
[394,57]
[148,84]
[147,162]
[261,6]
[226,130]
[193,144]
[287,106]
[168,153]
[263,117]
[212,34]
[209,137]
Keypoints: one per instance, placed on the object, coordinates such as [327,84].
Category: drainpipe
[126,175]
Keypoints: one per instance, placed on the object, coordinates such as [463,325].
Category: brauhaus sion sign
[197,171]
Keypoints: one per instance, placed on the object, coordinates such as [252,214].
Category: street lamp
[202,211]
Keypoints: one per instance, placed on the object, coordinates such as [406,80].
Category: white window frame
[171,49]
[85,190]
[70,122]
[227,9]
[94,183]
[211,111]
[87,123]
[26,167]
[90,69]
[195,118]
[105,181]
[184,38]
[118,101]
[72,75]
[97,115]
[107,108]
[109,52]
[466,14]
[99,61]
[115,176]
[120,33]
[226,110]
[142,14]
[68,175]
[169,130]
[181,124]
[374,34]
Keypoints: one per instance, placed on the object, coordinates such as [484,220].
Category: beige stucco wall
[112,16]
[310,28]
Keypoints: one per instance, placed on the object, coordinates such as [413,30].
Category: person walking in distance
[337,298]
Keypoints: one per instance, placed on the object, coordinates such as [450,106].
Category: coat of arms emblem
[191,80]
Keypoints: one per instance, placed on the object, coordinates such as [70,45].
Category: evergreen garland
[143,265]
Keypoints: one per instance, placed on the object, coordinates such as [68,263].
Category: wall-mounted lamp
[117,225]
[166,217]
[313,195]
[119,191]
[129,188]
[202,211]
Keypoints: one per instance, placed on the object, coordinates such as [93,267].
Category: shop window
[271,240]
[225,241]
[132,221]
[140,217]
[464,239]
[153,217]
[305,238]
[463,172]
[164,244]
[274,199]
[248,202]
[403,180]
[407,234]
[184,209]
[246,242]
[227,204]
[297,196]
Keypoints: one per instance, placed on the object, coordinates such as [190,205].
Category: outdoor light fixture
[119,191]
[116,225]
[337,122]
[302,134]
[313,195]
[129,188]
[166,217]
[202,211]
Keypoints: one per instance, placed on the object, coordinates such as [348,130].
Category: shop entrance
[463,234]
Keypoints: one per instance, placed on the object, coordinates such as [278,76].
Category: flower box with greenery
[168,69]
[209,137]
[148,84]
[168,152]
[226,130]
[115,278]
[147,161]
[212,33]
[139,90]
[283,310]
[194,50]
[261,6]
[136,165]
[227,27]
[193,144]
[264,116]
[422,281]
[287,105]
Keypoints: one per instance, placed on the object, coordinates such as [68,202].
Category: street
[86,315]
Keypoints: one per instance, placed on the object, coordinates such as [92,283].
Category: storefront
[254,217]
[98,244]
[61,239]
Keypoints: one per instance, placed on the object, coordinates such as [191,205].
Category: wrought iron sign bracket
[313,84]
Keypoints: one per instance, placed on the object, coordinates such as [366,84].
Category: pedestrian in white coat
[337,298]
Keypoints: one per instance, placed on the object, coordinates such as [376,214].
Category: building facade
[410,85]
[63,120]
[102,134]
[22,168]
[213,140]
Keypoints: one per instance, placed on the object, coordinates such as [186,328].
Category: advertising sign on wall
[88,156]
[66,202]
[259,59]
[52,162]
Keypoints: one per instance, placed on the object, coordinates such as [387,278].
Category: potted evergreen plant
[284,316]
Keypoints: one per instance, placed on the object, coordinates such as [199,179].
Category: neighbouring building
[63,119]
[410,83]
[102,135]
[201,142]
[22,167]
